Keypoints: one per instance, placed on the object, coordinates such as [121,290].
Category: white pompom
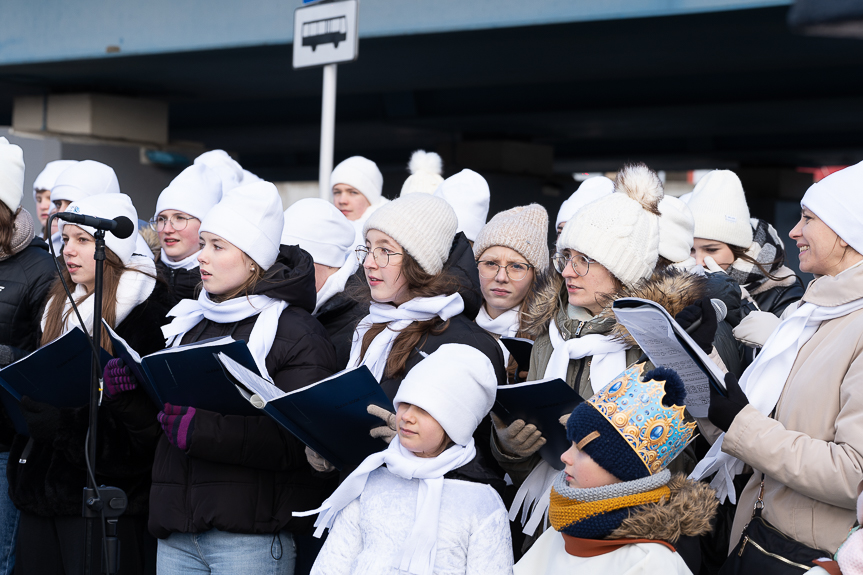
[428,162]
[641,184]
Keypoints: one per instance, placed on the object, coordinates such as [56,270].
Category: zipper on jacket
[774,555]
[742,547]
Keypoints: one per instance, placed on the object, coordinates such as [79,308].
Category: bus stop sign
[326,33]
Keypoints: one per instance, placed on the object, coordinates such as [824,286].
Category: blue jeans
[221,553]
[8,521]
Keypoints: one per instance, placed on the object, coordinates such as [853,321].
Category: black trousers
[55,545]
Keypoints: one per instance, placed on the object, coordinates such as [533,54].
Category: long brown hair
[56,316]
[7,227]
[419,284]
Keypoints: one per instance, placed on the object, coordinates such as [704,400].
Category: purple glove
[117,378]
[177,422]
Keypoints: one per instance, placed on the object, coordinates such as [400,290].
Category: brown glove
[317,462]
[385,432]
[517,439]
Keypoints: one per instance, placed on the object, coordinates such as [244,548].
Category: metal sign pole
[328,131]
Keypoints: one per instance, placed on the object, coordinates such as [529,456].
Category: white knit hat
[108,206]
[838,201]
[194,191]
[251,218]
[229,171]
[361,174]
[319,228]
[523,229]
[719,207]
[620,230]
[83,179]
[48,176]
[11,174]
[676,230]
[459,401]
[423,225]
[467,192]
[426,169]
[590,190]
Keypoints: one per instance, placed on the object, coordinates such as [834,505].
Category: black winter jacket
[340,316]
[248,474]
[25,279]
[51,481]
[178,284]
[777,298]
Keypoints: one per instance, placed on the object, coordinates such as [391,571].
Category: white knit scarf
[397,319]
[133,289]
[608,356]
[504,325]
[764,380]
[189,313]
[335,284]
[188,263]
[418,555]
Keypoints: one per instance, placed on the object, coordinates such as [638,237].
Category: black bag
[763,549]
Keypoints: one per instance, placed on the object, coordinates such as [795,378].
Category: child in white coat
[413,508]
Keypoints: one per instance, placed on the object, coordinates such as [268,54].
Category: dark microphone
[122,227]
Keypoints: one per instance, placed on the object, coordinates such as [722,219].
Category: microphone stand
[101,504]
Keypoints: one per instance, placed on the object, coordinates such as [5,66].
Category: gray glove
[385,432]
[317,462]
[517,439]
[755,329]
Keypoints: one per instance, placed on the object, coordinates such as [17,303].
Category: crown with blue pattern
[645,411]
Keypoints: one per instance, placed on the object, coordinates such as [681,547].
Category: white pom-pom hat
[426,169]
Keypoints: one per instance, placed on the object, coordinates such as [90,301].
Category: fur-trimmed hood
[540,306]
[671,288]
[688,511]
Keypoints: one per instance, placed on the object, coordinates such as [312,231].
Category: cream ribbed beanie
[589,191]
[194,191]
[108,206]
[83,179]
[620,230]
[229,171]
[676,230]
[426,169]
[319,228]
[838,202]
[251,218]
[423,225]
[11,174]
[361,174]
[459,401]
[719,207]
[523,229]
[468,194]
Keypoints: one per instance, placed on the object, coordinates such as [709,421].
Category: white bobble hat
[229,171]
[459,401]
[676,230]
[251,218]
[620,230]
[48,176]
[194,191]
[108,206]
[11,174]
[426,169]
[423,225]
[719,207]
[590,190]
[838,202]
[319,228]
[361,174]
[467,192]
[84,179]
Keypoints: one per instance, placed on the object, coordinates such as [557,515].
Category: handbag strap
[759,503]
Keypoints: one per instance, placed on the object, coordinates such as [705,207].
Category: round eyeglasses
[381,255]
[515,272]
[178,222]
[580,264]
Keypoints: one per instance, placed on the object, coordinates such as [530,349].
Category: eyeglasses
[177,221]
[381,255]
[515,272]
[580,264]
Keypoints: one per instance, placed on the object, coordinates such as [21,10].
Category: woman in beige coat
[797,414]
